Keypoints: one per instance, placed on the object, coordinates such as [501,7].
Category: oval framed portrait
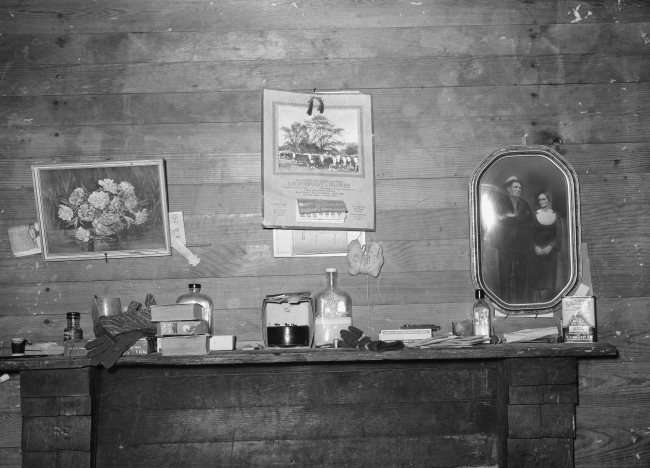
[525,229]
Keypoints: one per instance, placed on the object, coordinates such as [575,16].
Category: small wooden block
[55,382]
[537,453]
[55,406]
[33,407]
[58,459]
[68,459]
[543,394]
[75,406]
[56,433]
[542,371]
[559,394]
[558,421]
[528,395]
[39,460]
[524,422]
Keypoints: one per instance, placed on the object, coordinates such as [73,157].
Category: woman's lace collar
[546,217]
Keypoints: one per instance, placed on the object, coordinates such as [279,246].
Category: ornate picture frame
[525,229]
[101,210]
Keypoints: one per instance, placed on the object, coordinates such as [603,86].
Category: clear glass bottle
[73,331]
[194,296]
[333,311]
[481,316]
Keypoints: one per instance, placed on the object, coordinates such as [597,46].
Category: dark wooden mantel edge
[288,355]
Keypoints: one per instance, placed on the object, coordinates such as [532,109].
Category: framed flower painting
[100,210]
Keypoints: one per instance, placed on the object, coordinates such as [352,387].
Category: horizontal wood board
[393,451]
[300,385]
[291,405]
[341,356]
[203,16]
[451,81]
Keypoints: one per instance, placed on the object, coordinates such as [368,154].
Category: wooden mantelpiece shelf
[297,355]
[504,405]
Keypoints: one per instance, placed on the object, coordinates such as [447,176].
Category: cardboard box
[176,312]
[222,342]
[142,346]
[579,319]
[182,327]
[407,336]
[191,345]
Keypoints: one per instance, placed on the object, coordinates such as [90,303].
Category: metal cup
[104,307]
[18,346]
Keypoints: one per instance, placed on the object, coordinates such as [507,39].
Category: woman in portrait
[547,235]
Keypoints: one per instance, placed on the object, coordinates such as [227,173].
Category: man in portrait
[514,242]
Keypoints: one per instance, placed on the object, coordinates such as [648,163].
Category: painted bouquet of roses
[103,213]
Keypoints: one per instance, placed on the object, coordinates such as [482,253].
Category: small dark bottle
[73,331]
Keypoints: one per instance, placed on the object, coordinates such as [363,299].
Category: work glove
[355,338]
[121,331]
[106,350]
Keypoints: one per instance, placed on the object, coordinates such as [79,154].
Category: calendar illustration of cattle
[324,143]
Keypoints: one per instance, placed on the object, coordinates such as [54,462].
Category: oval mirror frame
[525,229]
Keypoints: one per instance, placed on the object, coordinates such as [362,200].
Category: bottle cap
[330,270]
[195,285]
[73,314]
[479,294]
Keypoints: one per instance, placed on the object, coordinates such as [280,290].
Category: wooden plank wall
[315,415]
[451,81]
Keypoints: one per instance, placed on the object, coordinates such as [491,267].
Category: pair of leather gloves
[117,333]
[355,338]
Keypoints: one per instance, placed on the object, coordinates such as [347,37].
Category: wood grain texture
[65,296]
[542,372]
[296,422]
[558,421]
[39,459]
[156,15]
[551,453]
[620,417]
[322,44]
[10,395]
[388,104]
[623,323]
[601,448]
[10,429]
[526,395]
[291,406]
[56,459]
[369,73]
[343,356]
[524,422]
[428,137]
[10,458]
[222,387]
[56,406]
[54,384]
[620,382]
[49,434]
[419,452]
[543,394]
